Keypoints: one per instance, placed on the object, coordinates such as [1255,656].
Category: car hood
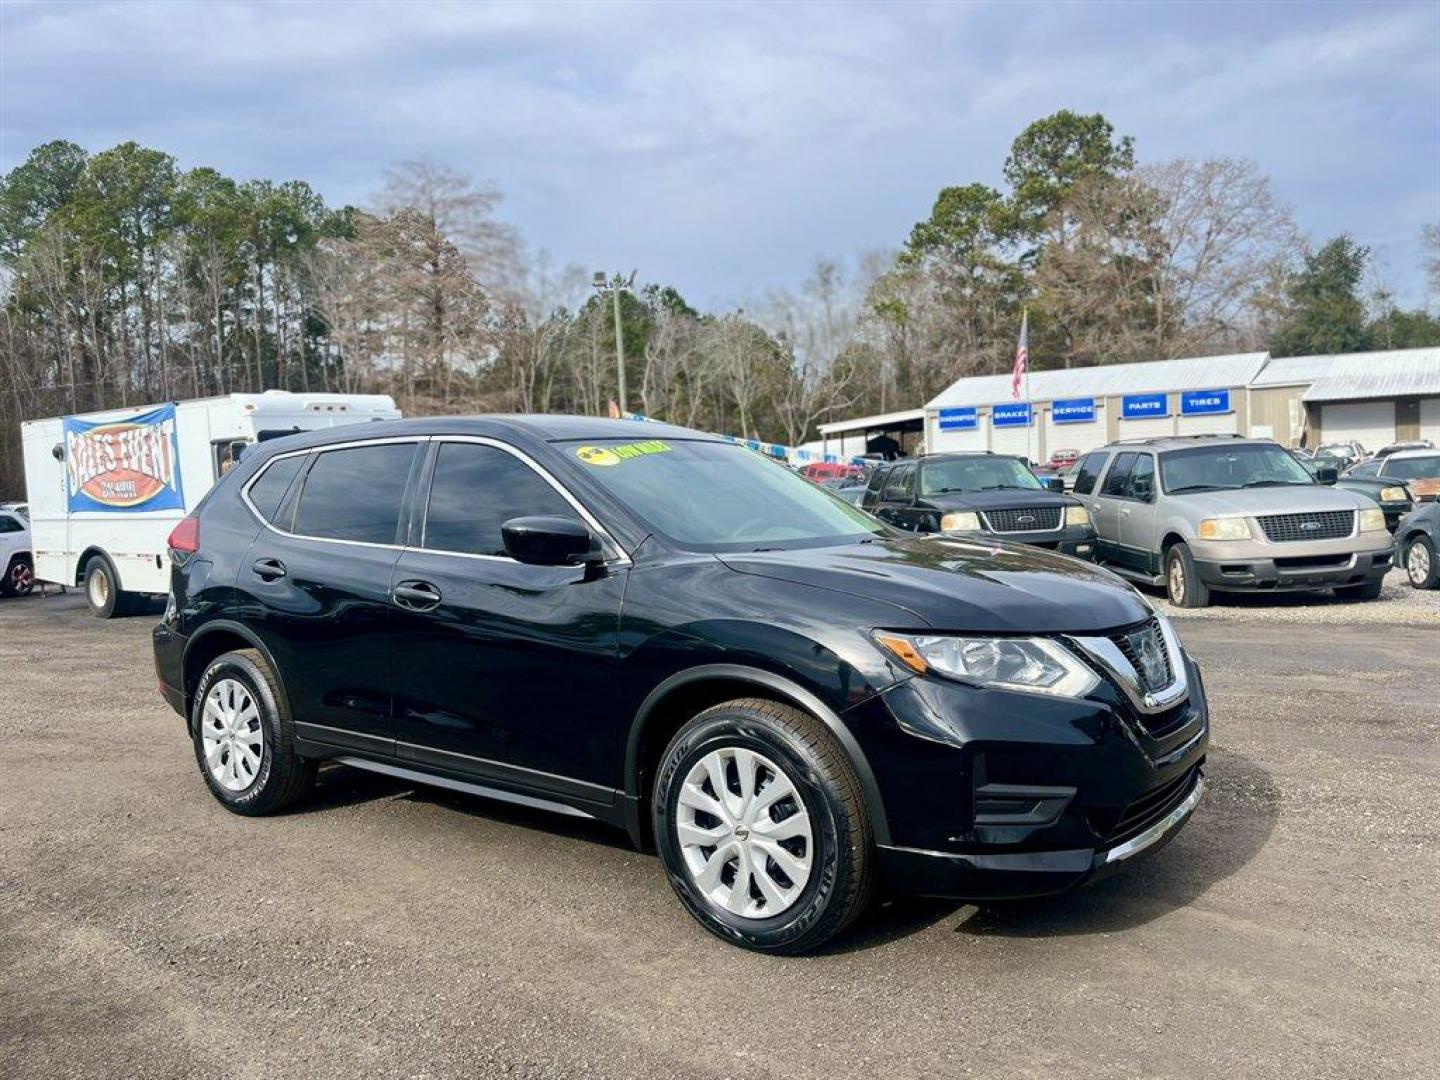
[988,500]
[954,583]
[1271,500]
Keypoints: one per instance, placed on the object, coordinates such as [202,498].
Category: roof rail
[1148,440]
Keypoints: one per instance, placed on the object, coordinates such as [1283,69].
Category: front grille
[1316,525]
[1146,651]
[1152,806]
[1023,520]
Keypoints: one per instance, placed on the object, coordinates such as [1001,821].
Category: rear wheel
[762,827]
[1182,579]
[244,741]
[1422,567]
[19,577]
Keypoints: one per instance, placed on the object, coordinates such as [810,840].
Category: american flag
[1022,356]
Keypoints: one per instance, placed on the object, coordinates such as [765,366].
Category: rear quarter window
[1089,472]
[267,493]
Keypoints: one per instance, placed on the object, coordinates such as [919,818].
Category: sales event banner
[123,465]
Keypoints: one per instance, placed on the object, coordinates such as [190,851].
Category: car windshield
[1212,468]
[1336,450]
[1416,468]
[713,496]
[975,474]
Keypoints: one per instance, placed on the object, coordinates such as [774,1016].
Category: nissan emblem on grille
[1150,655]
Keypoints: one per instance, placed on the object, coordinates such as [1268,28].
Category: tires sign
[1202,402]
[117,466]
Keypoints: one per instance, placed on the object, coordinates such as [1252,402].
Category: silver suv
[1229,514]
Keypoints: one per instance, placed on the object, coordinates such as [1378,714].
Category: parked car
[980,493]
[1392,497]
[852,490]
[1400,447]
[821,471]
[16,555]
[1417,540]
[1417,470]
[1229,514]
[1351,452]
[1063,459]
[21,508]
[634,623]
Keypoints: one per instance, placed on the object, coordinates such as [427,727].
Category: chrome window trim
[617,556]
[1108,655]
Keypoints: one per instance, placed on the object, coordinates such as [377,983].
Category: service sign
[959,419]
[1144,406]
[123,465]
[1073,411]
[1201,402]
[1012,415]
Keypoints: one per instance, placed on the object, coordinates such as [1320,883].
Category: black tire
[1426,573]
[1182,580]
[19,577]
[282,776]
[1369,590]
[102,589]
[842,858]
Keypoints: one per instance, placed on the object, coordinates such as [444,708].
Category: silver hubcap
[1417,562]
[234,738]
[99,588]
[744,833]
[21,578]
[1177,581]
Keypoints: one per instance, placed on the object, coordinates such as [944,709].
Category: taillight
[185,537]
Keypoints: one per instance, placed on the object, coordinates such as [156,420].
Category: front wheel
[1182,579]
[762,827]
[1422,568]
[19,577]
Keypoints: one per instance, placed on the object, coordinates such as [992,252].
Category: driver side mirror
[1053,483]
[550,541]
[1326,475]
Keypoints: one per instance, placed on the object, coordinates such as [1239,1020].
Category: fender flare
[776,684]
[240,631]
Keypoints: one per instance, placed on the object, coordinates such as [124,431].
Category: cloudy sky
[722,147]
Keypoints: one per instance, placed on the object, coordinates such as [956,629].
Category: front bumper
[1076,540]
[990,794]
[1292,573]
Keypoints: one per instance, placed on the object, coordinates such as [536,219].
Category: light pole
[615,288]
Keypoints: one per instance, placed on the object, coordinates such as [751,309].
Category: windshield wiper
[1199,487]
[1277,483]
[1008,487]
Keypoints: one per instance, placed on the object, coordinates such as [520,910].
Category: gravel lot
[1398,604]
[1292,930]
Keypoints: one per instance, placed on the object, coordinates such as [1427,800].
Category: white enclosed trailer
[106,488]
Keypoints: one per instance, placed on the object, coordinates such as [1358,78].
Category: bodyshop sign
[123,465]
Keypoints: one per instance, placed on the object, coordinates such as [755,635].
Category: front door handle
[268,569]
[416,595]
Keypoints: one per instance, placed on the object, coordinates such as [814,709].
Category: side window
[476,489]
[356,494]
[9,525]
[901,483]
[1142,479]
[1118,476]
[1368,468]
[268,491]
[875,486]
[1089,471]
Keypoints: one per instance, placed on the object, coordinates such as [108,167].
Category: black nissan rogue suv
[793,702]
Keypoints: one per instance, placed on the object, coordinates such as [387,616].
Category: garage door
[1430,419]
[1083,436]
[944,442]
[1019,441]
[1371,423]
[1155,428]
[1211,424]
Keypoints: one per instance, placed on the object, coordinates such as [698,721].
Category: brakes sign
[123,465]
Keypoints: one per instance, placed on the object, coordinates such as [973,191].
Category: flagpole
[1025,333]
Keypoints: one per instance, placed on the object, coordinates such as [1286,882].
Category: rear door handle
[268,569]
[416,595]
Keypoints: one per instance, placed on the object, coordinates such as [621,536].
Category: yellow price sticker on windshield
[614,455]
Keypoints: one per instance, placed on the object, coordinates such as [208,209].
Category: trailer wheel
[102,588]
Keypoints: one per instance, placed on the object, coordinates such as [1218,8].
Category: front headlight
[1395,494]
[1372,520]
[1035,665]
[1226,528]
[967,521]
[1077,515]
